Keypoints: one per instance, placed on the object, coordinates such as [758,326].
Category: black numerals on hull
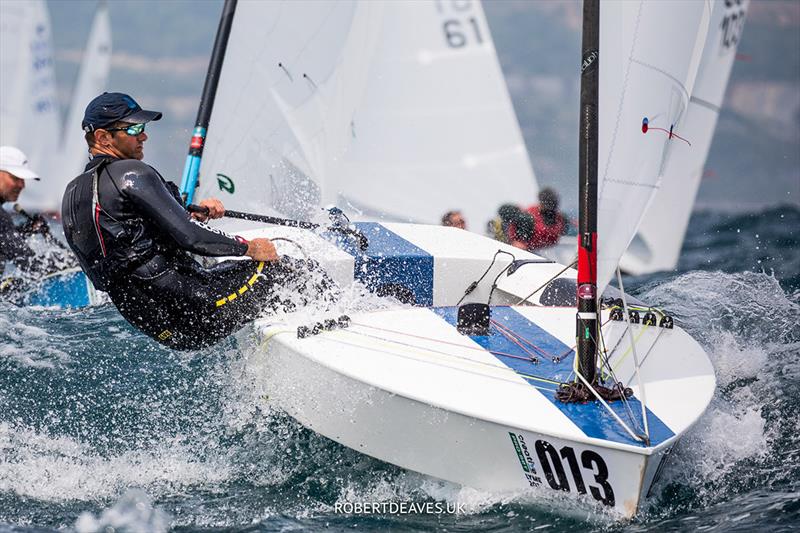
[553,462]
[551,466]
[569,454]
[603,492]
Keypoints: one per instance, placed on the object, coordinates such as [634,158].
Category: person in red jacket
[549,224]
[539,226]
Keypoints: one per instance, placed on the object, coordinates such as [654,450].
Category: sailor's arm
[146,190]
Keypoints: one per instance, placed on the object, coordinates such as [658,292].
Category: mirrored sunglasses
[132,130]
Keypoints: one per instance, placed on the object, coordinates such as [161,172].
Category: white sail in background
[649,58]
[92,79]
[437,129]
[658,243]
[29,111]
[397,109]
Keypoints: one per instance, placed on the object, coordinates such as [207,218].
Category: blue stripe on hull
[389,260]
[592,418]
[65,290]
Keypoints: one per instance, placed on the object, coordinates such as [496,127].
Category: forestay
[650,54]
[29,111]
[391,109]
[660,237]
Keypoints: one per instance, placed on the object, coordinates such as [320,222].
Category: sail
[394,109]
[649,58]
[29,111]
[658,243]
[91,81]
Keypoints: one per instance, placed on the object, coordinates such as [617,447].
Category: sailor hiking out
[133,237]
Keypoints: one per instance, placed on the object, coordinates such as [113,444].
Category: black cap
[109,108]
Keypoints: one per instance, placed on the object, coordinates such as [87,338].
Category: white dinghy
[405,386]
[491,376]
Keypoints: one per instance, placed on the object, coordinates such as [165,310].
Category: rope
[426,351]
[518,339]
[548,281]
[430,339]
[474,284]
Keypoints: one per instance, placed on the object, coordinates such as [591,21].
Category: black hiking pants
[186,306]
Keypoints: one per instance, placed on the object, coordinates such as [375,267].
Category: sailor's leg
[189,308]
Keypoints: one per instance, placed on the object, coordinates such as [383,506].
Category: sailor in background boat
[454,219]
[539,226]
[549,224]
[133,237]
[14,246]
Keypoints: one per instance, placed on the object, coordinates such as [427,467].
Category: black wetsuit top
[31,266]
[135,222]
[133,238]
[12,244]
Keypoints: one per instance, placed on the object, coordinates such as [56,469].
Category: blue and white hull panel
[404,386]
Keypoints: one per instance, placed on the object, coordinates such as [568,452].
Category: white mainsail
[29,110]
[395,109]
[658,243]
[649,59]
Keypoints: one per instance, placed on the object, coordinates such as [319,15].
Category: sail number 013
[555,463]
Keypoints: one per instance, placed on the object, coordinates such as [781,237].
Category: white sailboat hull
[403,385]
[461,449]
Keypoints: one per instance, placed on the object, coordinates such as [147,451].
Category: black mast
[192,166]
[587,331]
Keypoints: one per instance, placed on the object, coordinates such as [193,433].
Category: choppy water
[101,428]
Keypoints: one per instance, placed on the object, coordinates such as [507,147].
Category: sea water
[101,429]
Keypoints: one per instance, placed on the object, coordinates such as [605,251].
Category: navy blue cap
[109,108]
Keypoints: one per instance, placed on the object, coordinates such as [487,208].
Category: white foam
[28,344]
[51,468]
[133,513]
[748,326]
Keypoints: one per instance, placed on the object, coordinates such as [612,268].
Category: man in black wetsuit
[14,247]
[133,237]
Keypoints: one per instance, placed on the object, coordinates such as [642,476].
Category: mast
[586,327]
[192,166]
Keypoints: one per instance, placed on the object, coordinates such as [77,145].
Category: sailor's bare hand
[214,209]
[262,250]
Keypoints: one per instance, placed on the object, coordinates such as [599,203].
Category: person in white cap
[14,173]
[14,170]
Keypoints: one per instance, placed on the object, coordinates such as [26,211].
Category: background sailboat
[30,115]
[29,110]
[92,79]
[657,244]
[390,109]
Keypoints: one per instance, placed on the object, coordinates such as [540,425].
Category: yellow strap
[243,289]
